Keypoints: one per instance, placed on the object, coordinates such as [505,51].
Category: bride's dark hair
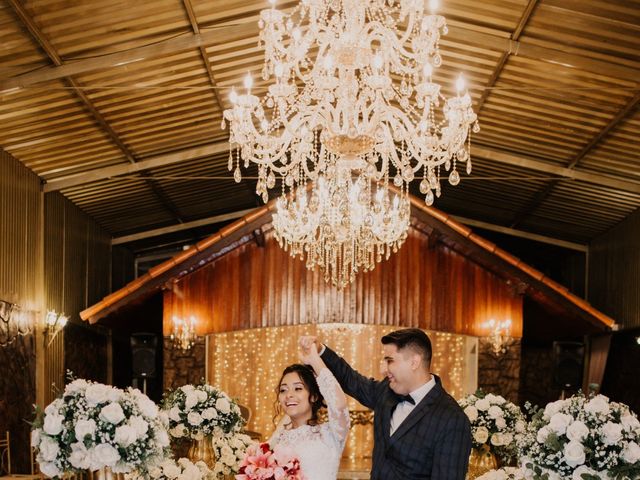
[305,372]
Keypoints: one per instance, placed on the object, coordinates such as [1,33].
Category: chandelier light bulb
[233,96]
[427,70]
[433,6]
[460,84]
[377,61]
[248,82]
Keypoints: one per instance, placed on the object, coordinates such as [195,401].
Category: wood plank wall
[432,288]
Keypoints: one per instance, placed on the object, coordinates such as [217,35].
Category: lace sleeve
[339,420]
[275,436]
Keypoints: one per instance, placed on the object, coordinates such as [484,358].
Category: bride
[301,392]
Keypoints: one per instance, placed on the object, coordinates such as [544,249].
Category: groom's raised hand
[309,348]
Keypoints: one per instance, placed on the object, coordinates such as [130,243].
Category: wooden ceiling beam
[127,169]
[543,194]
[230,33]
[524,18]
[203,52]
[51,52]
[188,41]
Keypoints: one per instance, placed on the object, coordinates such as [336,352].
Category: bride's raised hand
[308,350]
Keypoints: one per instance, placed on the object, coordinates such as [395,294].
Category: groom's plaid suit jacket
[433,442]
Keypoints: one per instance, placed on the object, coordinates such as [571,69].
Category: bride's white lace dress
[319,447]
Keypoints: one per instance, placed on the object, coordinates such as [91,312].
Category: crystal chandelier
[353,79]
[342,224]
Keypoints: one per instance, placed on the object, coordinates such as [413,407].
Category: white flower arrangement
[506,473]
[196,411]
[94,426]
[582,439]
[495,422]
[170,469]
[230,450]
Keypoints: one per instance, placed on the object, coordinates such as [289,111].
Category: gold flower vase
[202,450]
[105,473]
[481,461]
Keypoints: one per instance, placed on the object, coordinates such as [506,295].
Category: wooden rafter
[51,52]
[526,15]
[203,52]
[243,30]
[543,194]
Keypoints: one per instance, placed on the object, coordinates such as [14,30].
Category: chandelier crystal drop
[342,224]
[352,78]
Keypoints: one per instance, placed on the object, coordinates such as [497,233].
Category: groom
[420,432]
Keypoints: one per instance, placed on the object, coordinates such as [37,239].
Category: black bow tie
[406,398]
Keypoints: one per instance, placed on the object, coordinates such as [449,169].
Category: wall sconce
[54,323]
[184,334]
[499,337]
[14,322]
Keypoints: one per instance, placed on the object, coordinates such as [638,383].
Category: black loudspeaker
[568,364]
[143,354]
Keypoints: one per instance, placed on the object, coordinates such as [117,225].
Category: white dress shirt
[403,409]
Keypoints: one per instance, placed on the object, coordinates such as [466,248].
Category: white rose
[574,454]
[112,413]
[496,399]
[79,457]
[53,424]
[520,426]
[54,407]
[229,460]
[481,435]
[174,414]
[171,470]
[35,437]
[552,408]
[597,405]
[162,438]
[177,431]
[194,418]
[125,435]
[543,433]
[629,422]
[559,423]
[84,427]
[191,400]
[50,469]
[577,431]
[501,423]
[114,394]
[483,404]
[495,412]
[140,425]
[631,452]
[612,433]
[472,413]
[209,413]
[155,472]
[582,469]
[187,388]
[48,449]
[96,393]
[147,407]
[105,454]
[496,439]
[76,386]
[223,406]
[202,396]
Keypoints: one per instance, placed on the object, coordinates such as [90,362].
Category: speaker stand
[144,385]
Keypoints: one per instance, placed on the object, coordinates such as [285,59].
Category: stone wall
[500,374]
[86,352]
[181,367]
[17,397]
[536,375]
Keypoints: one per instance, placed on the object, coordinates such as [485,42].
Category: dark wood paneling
[432,288]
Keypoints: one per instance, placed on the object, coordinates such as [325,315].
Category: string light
[247,364]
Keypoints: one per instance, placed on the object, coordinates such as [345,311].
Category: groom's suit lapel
[417,413]
[390,403]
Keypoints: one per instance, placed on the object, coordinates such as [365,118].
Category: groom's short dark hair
[413,338]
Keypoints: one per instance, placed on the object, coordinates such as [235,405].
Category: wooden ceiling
[117,104]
